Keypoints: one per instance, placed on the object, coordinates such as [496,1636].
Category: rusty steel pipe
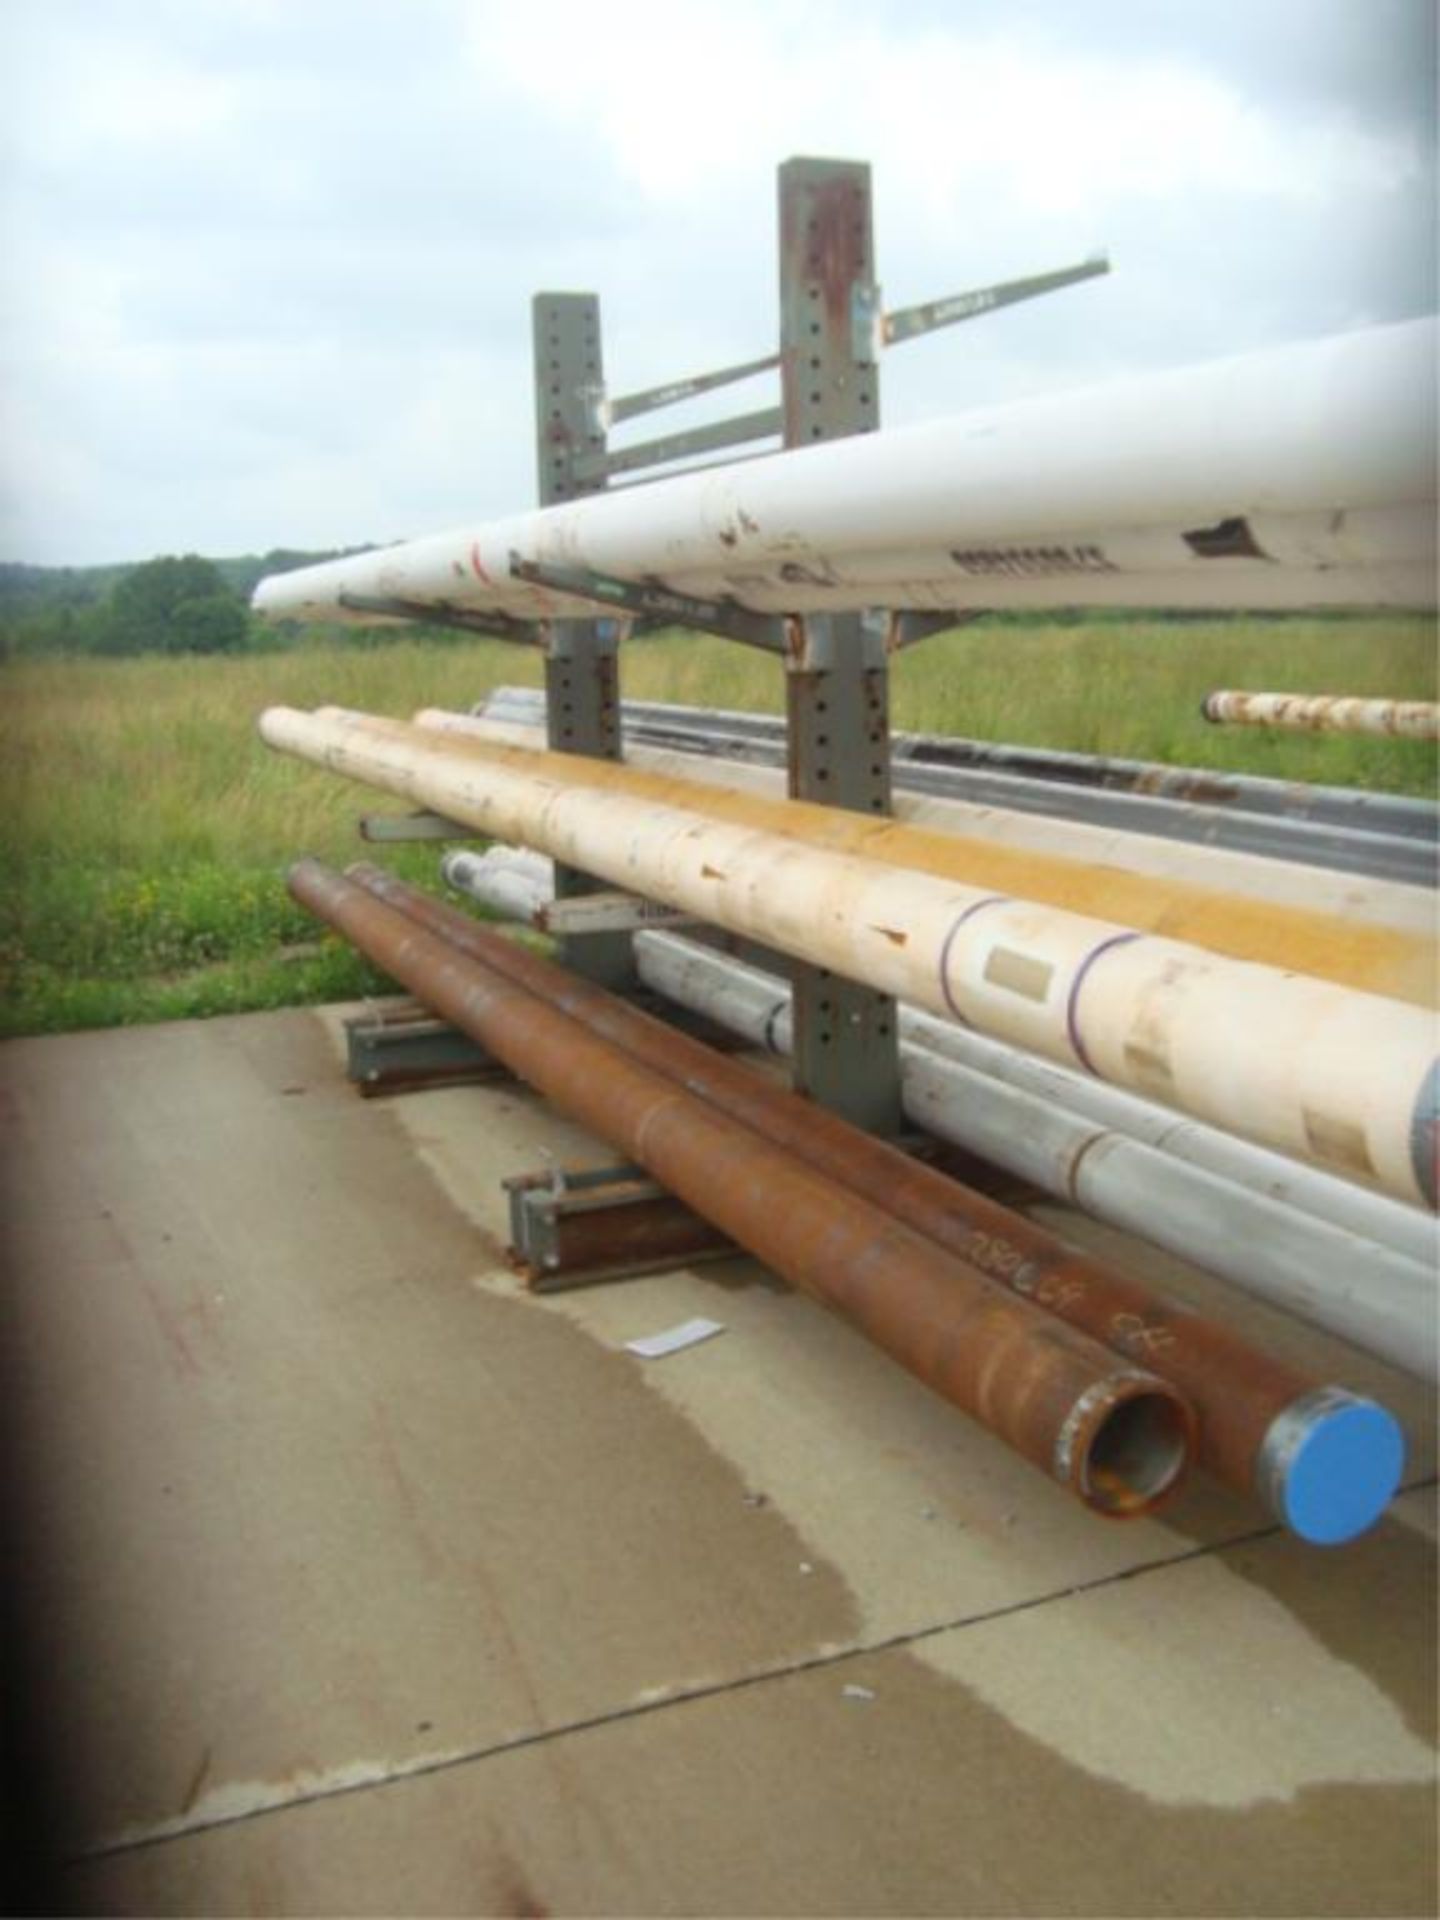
[1115,1434]
[1254,1411]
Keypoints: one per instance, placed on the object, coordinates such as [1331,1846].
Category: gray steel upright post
[582,690]
[837,690]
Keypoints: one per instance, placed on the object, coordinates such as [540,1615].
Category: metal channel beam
[577,1228]
[631,405]
[680,446]
[837,690]
[582,691]
[647,600]
[498,626]
[908,323]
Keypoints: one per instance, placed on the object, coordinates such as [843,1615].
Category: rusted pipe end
[1126,1445]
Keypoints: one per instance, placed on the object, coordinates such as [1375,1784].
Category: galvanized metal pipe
[1113,1433]
[1304,476]
[1244,1399]
[1379,1299]
[1407,1231]
[1325,713]
[1376,936]
[1344,1079]
[1381,836]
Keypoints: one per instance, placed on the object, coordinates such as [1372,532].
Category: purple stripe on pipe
[1072,1004]
[772,1044]
[1425,1134]
[990,900]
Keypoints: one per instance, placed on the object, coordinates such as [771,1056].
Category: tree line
[175,604]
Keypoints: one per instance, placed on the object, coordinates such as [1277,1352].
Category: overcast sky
[268,263]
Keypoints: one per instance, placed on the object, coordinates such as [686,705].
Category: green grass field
[144,831]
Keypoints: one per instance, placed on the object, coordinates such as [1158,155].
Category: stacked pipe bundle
[1374,934]
[984,1306]
[1345,1259]
[1106,1427]
[1302,477]
[1339,1077]
[1150,812]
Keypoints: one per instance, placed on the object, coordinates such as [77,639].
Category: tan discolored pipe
[1113,1433]
[1377,935]
[1325,713]
[1338,1077]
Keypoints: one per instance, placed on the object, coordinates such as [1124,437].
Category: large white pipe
[1302,476]
[1325,713]
[1311,892]
[1328,1074]
[1378,1299]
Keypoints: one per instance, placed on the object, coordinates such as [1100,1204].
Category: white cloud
[693,99]
[268,262]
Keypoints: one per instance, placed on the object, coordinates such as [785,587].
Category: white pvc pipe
[1371,1295]
[1319,1071]
[509,880]
[1302,476]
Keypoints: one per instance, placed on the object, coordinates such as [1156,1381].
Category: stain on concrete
[1190,1686]
[782,1799]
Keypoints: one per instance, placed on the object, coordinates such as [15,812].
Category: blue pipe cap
[1330,1465]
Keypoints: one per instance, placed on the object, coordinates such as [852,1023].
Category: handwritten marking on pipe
[1135,1335]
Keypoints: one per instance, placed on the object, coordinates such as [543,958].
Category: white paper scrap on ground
[688,1334]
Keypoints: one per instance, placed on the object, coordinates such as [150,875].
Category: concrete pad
[360,1580]
[867,1785]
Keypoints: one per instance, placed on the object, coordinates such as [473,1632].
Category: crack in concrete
[365,1777]
[360,1777]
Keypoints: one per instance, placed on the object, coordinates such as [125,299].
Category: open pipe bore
[1136,1454]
